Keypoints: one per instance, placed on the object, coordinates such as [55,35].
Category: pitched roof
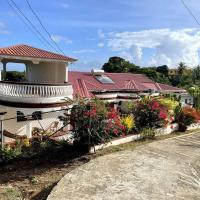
[84,83]
[32,52]
[170,88]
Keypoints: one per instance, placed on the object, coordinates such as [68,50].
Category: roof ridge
[24,50]
[15,45]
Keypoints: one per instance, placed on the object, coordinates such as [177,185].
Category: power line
[32,25]
[42,25]
[190,12]
[22,19]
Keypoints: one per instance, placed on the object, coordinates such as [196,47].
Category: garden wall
[161,131]
[193,126]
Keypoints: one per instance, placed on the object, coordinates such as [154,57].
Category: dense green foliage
[15,76]
[183,78]
[117,65]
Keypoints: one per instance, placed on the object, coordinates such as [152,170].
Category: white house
[45,89]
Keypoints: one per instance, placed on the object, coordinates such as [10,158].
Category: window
[37,115]
[20,116]
[104,79]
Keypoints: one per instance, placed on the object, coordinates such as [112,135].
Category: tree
[151,73]
[163,69]
[117,65]
[15,76]
[195,92]
[196,74]
[181,68]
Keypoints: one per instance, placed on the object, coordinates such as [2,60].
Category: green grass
[13,193]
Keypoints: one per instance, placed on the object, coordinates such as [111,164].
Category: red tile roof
[170,88]
[28,51]
[84,83]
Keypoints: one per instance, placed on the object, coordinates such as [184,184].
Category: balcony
[34,93]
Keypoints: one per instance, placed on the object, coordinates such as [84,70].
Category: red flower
[162,114]
[171,126]
[123,127]
[155,105]
[113,114]
[91,113]
[116,131]
[123,135]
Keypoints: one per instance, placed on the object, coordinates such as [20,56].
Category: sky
[145,32]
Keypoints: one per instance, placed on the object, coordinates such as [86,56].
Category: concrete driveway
[163,170]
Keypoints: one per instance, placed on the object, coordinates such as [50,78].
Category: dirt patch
[34,179]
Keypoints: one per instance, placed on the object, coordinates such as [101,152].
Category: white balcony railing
[34,91]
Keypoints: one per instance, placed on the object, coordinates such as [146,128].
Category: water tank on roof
[97,72]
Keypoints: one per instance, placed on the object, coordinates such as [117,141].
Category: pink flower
[163,114]
[116,131]
[155,105]
[123,135]
[91,113]
[123,127]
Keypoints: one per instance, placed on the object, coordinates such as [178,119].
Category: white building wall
[187,99]
[21,128]
[52,73]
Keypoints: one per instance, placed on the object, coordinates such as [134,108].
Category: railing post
[2,137]
[29,130]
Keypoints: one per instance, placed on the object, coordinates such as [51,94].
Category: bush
[29,148]
[10,152]
[128,122]
[149,113]
[169,103]
[148,133]
[88,121]
[94,123]
[187,116]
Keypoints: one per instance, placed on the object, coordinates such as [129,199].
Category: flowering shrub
[191,112]
[169,103]
[128,122]
[187,116]
[9,152]
[95,123]
[149,112]
[114,126]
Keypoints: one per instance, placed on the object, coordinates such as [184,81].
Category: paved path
[163,170]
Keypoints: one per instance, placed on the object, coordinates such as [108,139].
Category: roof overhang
[34,60]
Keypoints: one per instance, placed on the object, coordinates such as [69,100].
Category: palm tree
[181,68]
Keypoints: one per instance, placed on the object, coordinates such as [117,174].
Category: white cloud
[101,44]
[167,46]
[84,51]
[134,54]
[3,29]
[60,38]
